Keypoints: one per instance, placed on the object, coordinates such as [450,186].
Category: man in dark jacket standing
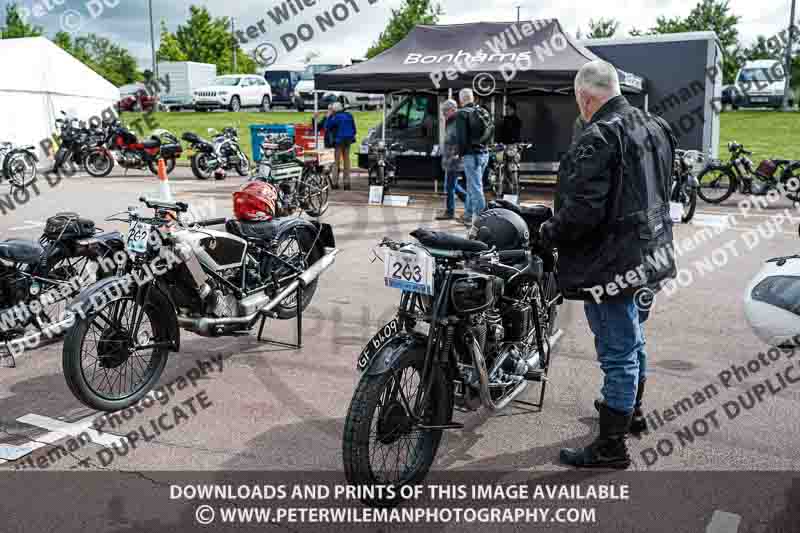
[614,237]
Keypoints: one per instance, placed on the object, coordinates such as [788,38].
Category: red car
[136,98]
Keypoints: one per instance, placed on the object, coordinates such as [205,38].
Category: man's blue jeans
[474,167]
[619,341]
[451,187]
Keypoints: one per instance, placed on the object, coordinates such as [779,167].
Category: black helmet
[501,228]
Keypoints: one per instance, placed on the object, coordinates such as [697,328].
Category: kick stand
[296,345]
[542,389]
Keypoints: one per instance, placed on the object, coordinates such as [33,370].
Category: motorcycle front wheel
[243,168]
[717,184]
[382,444]
[98,163]
[106,360]
[170,163]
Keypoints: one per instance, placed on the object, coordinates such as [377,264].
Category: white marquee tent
[39,81]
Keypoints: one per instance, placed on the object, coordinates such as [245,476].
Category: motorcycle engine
[130,159]
[221,305]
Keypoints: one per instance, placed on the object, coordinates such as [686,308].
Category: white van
[760,83]
[304,91]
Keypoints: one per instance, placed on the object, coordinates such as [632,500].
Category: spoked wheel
[716,184]
[109,360]
[689,201]
[383,443]
[317,190]
[295,252]
[20,168]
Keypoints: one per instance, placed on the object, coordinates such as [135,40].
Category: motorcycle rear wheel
[199,168]
[170,163]
[317,190]
[377,420]
[296,248]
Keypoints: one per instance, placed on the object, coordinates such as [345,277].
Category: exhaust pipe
[483,376]
[257,304]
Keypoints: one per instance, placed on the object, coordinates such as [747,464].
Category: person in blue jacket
[343,129]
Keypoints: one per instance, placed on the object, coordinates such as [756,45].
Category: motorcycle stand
[538,406]
[299,343]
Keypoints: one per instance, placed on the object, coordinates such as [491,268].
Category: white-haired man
[472,129]
[612,223]
[451,162]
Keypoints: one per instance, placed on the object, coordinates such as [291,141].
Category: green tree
[709,15]
[16,26]
[602,28]
[410,14]
[204,39]
[100,54]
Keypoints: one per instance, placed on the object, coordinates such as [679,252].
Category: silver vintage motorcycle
[181,275]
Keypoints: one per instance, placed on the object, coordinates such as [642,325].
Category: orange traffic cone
[163,182]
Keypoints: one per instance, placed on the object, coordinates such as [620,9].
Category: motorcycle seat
[783,161]
[21,251]
[151,143]
[263,231]
[447,241]
[536,214]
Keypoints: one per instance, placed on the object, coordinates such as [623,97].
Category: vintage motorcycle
[181,275]
[75,143]
[214,157]
[123,147]
[502,171]
[18,164]
[301,184]
[688,163]
[718,181]
[383,170]
[475,325]
[49,272]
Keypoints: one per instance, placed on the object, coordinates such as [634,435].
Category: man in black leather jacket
[613,233]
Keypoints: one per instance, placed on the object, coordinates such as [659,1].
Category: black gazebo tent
[518,56]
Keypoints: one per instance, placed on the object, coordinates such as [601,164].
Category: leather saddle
[21,251]
[265,230]
[439,240]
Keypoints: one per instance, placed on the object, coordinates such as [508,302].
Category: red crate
[304,136]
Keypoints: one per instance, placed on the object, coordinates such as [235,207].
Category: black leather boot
[638,422]
[609,449]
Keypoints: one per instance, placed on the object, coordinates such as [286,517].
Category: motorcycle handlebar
[212,222]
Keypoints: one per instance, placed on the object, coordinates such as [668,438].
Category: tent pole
[316,131]
[383,123]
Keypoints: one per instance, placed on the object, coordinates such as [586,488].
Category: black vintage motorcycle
[214,157]
[475,325]
[18,164]
[718,181]
[212,283]
[502,172]
[688,163]
[38,278]
[302,184]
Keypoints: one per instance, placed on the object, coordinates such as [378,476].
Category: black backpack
[481,125]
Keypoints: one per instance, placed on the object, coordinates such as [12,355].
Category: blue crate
[259,131]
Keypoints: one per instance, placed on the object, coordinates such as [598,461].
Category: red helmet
[255,201]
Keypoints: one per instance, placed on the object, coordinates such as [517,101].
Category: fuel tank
[216,250]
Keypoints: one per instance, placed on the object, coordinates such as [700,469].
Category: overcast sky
[127,22]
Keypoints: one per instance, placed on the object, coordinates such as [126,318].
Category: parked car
[283,82]
[304,91]
[760,83]
[234,92]
[136,98]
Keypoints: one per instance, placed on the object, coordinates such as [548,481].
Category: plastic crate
[304,136]
[259,131]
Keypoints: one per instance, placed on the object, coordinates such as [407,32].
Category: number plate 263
[409,270]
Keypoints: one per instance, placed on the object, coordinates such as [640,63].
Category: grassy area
[767,134]
[179,123]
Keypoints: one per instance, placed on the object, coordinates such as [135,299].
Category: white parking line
[75,429]
[722,522]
